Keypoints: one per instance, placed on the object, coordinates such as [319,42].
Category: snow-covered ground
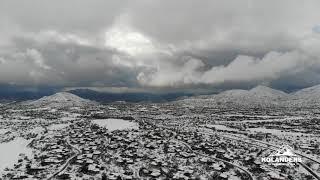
[221,127]
[276,132]
[3,131]
[115,124]
[67,116]
[9,152]
[267,120]
[57,126]
[37,130]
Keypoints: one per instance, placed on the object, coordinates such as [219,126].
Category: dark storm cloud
[68,63]
[163,44]
[68,16]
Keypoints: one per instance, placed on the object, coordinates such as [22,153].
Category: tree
[104,176]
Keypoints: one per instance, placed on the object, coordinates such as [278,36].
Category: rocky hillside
[61,99]
[260,96]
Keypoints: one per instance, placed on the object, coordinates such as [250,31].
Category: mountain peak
[261,87]
[267,90]
[64,95]
[61,99]
[313,89]
[260,95]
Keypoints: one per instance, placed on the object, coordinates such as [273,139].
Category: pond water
[115,124]
[9,152]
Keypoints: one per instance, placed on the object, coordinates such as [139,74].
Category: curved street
[66,164]
[218,159]
[275,147]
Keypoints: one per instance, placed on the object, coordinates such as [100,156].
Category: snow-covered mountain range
[261,96]
[258,96]
[61,99]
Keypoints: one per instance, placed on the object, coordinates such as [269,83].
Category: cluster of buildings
[172,142]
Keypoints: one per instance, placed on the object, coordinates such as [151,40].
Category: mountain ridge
[108,97]
[262,96]
[257,96]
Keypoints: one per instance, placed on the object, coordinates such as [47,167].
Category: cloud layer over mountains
[163,44]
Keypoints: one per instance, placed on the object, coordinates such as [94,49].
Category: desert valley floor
[66,137]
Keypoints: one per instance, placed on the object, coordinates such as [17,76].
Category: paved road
[214,158]
[267,145]
[275,147]
[218,159]
[66,164]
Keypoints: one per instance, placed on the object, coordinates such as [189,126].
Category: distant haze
[159,45]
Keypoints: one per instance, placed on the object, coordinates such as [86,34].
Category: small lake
[9,152]
[115,124]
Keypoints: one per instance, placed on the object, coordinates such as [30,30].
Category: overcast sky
[160,44]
